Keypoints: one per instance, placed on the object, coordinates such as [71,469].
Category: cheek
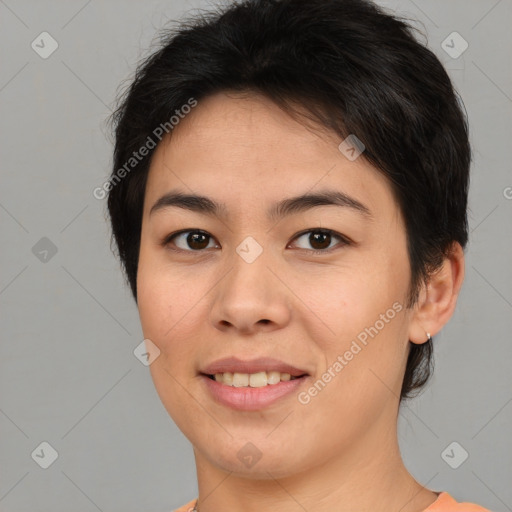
[170,301]
[366,340]
[349,300]
[160,298]
[154,300]
[167,308]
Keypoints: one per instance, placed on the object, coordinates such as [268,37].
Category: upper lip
[261,364]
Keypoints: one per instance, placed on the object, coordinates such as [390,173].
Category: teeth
[258,380]
[240,380]
[253,380]
[274,377]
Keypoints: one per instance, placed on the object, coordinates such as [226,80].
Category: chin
[256,460]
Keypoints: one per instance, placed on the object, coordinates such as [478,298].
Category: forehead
[245,150]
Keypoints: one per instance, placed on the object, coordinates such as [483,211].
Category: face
[319,287]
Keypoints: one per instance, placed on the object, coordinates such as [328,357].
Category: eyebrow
[283,208]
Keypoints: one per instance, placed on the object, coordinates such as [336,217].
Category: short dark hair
[354,69]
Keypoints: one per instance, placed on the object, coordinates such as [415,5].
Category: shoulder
[188,507]
[446,503]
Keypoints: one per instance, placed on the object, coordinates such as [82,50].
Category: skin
[339,451]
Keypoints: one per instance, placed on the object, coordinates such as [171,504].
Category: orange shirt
[444,503]
[186,508]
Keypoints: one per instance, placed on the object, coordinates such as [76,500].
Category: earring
[429,337]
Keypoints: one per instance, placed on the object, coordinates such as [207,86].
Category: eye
[196,240]
[320,240]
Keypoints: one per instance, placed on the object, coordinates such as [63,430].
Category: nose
[251,298]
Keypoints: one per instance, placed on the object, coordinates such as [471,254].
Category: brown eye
[190,240]
[320,240]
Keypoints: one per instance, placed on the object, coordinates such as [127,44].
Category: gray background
[69,325]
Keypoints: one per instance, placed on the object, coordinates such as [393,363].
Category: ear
[437,299]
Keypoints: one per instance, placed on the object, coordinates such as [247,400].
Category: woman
[288,200]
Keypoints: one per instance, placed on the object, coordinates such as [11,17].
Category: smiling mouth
[253,380]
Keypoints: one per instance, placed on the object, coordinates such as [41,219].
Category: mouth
[254,373]
[251,385]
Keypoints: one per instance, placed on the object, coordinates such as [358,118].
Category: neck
[368,477]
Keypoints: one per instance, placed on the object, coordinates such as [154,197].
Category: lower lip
[251,399]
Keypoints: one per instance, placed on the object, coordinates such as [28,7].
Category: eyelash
[345,241]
